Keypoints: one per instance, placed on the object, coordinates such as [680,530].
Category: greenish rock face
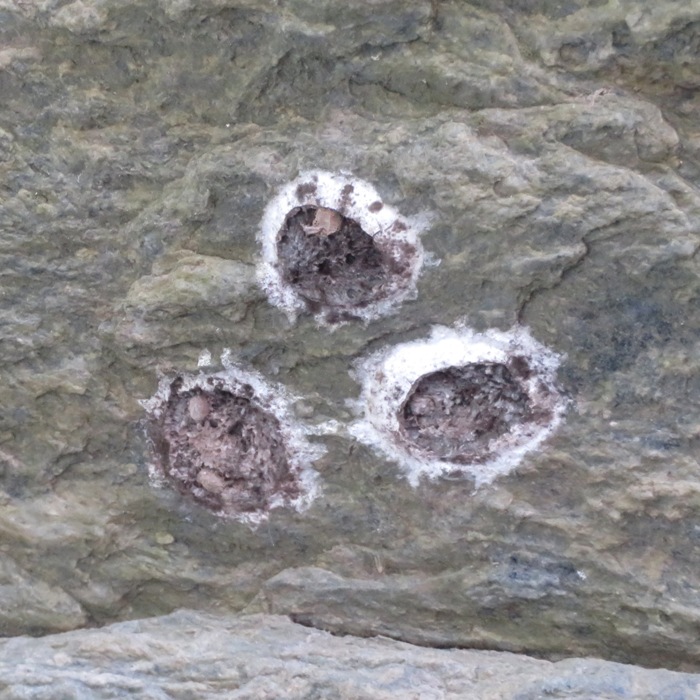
[548,152]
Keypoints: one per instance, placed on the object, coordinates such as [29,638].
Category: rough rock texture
[196,655]
[555,147]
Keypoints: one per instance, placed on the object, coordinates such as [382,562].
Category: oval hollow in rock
[227,441]
[459,402]
[331,247]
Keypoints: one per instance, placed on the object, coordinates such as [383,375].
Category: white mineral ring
[227,441]
[459,402]
[331,247]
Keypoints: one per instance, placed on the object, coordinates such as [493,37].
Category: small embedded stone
[164,538]
[326,221]
[198,407]
[211,480]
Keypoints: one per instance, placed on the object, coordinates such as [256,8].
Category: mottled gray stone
[29,604]
[554,149]
[189,654]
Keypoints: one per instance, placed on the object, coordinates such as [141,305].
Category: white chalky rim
[362,206]
[272,399]
[387,377]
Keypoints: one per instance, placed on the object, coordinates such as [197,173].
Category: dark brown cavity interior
[453,414]
[223,450]
[330,261]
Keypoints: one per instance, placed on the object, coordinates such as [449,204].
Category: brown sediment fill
[330,261]
[222,449]
[332,248]
[453,414]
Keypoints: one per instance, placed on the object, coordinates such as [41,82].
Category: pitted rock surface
[330,260]
[222,449]
[453,414]
[554,149]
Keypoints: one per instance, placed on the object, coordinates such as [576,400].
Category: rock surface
[188,654]
[554,149]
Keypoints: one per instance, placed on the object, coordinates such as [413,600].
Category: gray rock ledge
[195,655]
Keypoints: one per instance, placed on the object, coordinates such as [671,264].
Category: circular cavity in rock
[455,413]
[330,246]
[459,402]
[330,261]
[227,442]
